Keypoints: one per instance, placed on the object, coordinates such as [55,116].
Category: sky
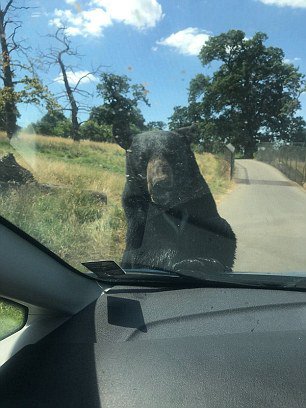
[155,42]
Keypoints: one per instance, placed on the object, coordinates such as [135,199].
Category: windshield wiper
[194,273]
[110,272]
[210,273]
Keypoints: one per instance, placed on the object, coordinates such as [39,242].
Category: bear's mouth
[161,192]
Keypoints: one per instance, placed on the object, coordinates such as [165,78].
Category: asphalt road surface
[268,215]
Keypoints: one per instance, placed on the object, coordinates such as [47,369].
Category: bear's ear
[123,136]
[187,132]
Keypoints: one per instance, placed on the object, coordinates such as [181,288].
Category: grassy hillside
[70,222]
[12,317]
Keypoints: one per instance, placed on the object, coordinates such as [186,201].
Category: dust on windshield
[157,134]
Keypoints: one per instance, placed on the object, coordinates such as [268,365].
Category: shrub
[91,130]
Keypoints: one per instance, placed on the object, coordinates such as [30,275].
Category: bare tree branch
[7,7]
[56,56]
[81,78]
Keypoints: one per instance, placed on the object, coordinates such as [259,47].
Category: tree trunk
[250,148]
[248,153]
[10,108]
[250,133]
[72,101]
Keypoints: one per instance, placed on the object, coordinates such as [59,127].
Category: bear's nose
[160,180]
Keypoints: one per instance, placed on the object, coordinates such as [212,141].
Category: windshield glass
[157,134]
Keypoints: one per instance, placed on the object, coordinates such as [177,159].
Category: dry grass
[70,222]
[216,172]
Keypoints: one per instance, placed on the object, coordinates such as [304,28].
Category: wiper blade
[111,272]
[185,272]
[203,273]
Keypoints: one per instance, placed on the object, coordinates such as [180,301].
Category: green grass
[69,221]
[12,318]
[84,155]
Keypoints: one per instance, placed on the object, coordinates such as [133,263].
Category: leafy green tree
[184,116]
[53,123]
[91,130]
[180,118]
[160,125]
[48,122]
[120,108]
[27,88]
[99,115]
[63,128]
[252,96]
[298,131]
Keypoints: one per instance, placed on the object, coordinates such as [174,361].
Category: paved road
[268,214]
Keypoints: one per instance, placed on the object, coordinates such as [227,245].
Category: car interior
[87,344]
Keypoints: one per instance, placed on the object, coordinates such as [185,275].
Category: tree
[14,59]
[120,108]
[252,96]
[2,118]
[56,56]
[180,118]
[299,136]
[8,45]
[91,130]
[53,123]
[156,125]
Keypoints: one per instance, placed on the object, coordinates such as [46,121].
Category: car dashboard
[151,347]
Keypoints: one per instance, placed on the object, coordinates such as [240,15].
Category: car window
[157,134]
[13,317]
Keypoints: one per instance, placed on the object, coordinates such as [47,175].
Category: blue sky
[156,42]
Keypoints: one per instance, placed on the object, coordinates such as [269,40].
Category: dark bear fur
[178,222]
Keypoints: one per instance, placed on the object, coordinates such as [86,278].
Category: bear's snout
[160,181]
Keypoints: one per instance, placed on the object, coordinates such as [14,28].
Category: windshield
[160,135]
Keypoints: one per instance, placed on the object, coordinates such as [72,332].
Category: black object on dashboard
[104,268]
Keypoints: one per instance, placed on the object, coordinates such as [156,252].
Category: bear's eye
[142,158]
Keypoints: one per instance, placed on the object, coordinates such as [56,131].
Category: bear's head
[162,166]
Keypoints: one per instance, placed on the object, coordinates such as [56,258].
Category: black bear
[172,218]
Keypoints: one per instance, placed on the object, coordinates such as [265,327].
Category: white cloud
[36,15]
[98,14]
[188,41]
[75,77]
[285,3]
[85,23]
[138,13]
[292,61]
